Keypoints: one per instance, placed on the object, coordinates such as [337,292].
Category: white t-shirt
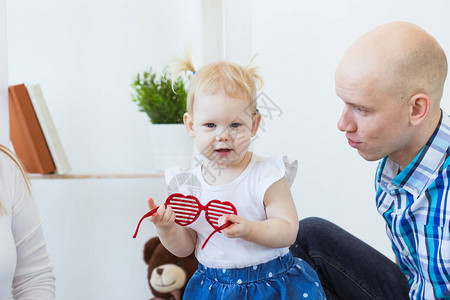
[25,268]
[246,192]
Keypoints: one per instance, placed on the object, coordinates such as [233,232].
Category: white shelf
[95,176]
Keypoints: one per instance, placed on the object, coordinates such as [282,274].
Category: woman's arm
[33,278]
[280,228]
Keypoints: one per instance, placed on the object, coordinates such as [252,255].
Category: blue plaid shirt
[415,206]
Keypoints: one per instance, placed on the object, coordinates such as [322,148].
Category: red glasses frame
[188,208]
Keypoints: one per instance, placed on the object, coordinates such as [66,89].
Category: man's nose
[346,122]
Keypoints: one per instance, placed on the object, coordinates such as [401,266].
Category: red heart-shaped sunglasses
[188,208]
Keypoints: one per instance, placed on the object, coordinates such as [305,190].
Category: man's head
[391,81]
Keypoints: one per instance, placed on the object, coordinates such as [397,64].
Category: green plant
[156,97]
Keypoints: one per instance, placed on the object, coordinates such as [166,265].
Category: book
[26,134]
[48,128]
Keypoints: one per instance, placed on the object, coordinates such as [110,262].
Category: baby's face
[222,127]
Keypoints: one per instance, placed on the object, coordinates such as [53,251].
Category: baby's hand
[163,217]
[239,227]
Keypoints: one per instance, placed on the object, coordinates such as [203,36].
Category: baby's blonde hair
[232,79]
[22,170]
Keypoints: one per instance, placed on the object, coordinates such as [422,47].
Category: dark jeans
[347,267]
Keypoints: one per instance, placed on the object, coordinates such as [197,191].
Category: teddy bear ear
[150,247]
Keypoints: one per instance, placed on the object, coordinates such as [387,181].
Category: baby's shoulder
[275,167]
[185,182]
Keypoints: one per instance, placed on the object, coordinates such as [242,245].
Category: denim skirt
[284,278]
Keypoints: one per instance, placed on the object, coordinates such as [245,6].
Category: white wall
[85,53]
[89,226]
[300,43]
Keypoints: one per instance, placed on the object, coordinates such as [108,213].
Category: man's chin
[369,156]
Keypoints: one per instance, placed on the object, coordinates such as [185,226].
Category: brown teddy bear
[167,275]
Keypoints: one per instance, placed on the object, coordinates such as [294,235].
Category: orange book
[26,134]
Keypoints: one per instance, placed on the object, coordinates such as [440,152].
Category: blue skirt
[284,278]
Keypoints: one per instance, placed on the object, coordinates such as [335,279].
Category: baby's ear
[189,124]
[255,123]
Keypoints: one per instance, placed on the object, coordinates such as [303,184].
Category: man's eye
[360,109]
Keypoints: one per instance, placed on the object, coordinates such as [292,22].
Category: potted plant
[165,104]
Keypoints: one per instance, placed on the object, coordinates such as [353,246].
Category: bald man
[391,81]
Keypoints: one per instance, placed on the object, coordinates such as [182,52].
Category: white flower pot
[171,146]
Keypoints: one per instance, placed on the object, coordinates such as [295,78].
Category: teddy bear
[167,274]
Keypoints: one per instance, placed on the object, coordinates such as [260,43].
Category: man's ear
[420,105]
[189,124]
[255,123]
